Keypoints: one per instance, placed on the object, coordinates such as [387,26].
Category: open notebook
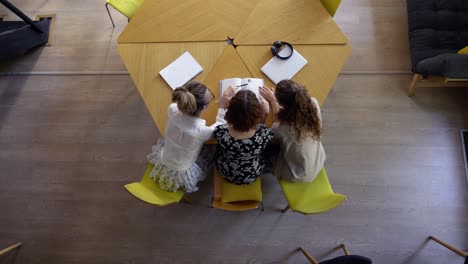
[181,71]
[251,84]
[277,69]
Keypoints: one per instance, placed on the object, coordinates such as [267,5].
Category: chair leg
[10,248]
[309,257]
[107,8]
[187,200]
[262,207]
[412,86]
[285,209]
[452,248]
[345,249]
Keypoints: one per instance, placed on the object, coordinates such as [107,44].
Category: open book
[251,84]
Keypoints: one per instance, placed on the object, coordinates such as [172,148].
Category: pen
[242,85]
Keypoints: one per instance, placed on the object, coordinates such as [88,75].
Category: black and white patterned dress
[240,161]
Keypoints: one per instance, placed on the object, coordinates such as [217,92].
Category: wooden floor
[68,144]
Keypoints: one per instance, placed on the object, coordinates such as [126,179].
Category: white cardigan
[298,161]
[185,136]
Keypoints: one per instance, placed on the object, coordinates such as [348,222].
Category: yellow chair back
[128,8]
[463,51]
[220,185]
[149,191]
[311,197]
[331,5]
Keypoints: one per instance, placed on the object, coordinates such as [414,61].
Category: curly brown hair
[297,110]
[244,111]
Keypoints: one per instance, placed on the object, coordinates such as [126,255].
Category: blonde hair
[190,98]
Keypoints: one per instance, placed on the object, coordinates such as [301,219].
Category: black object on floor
[464,139]
[17,37]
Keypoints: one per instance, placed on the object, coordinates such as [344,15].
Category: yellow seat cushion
[234,193]
[128,8]
[149,191]
[463,51]
[311,197]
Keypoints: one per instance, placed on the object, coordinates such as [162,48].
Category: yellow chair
[331,5]
[311,197]
[463,51]
[149,191]
[347,258]
[128,8]
[219,201]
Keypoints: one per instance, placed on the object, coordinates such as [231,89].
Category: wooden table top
[297,22]
[187,20]
[153,39]
[145,60]
[324,63]
[248,22]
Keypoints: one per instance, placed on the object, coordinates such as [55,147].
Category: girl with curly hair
[298,127]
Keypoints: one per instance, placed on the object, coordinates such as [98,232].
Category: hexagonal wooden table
[164,29]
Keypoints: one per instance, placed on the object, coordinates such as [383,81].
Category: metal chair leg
[285,209]
[309,257]
[452,248]
[10,248]
[107,8]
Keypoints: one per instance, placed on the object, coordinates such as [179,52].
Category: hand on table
[268,94]
[227,95]
[265,105]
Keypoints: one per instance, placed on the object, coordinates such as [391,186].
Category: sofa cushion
[448,65]
[437,27]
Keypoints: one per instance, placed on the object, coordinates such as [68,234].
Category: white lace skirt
[172,180]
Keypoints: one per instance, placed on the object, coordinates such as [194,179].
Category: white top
[185,136]
[298,161]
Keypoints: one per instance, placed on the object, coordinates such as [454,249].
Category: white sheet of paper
[181,71]
[277,69]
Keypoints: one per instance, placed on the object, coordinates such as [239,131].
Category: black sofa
[438,29]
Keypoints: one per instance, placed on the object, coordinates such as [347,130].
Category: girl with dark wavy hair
[298,127]
[243,140]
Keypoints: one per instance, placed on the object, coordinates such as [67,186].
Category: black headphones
[276,47]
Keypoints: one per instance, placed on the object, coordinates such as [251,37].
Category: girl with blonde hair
[179,161]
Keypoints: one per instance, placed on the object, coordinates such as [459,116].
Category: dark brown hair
[190,98]
[244,111]
[297,110]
